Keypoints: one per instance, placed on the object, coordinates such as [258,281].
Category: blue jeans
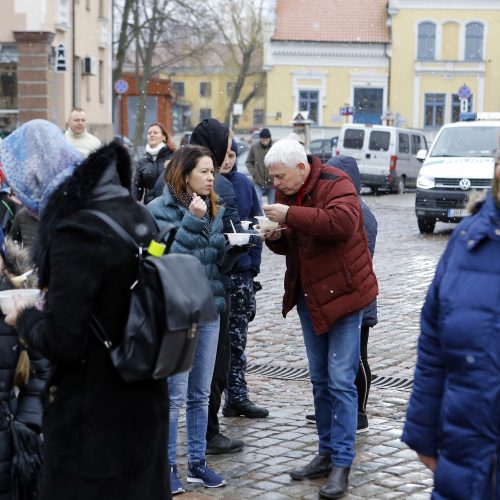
[270,192]
[333,364]
[193,387]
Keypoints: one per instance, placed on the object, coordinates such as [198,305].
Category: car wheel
[426,226]
[401,185]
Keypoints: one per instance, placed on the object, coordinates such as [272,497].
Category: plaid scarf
[185,199]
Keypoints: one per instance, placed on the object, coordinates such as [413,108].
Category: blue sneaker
[176,487]
[199,472]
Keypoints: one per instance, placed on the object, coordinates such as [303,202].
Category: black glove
[256,286]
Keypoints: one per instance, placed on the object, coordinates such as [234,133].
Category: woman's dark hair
[182,163]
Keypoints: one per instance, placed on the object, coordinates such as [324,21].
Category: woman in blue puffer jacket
[453,418]
[189,202]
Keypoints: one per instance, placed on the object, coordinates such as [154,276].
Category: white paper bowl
[238,238]
[266,224]
[26,298]
[246,224]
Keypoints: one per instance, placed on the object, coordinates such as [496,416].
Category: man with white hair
[77,134]
[330,279]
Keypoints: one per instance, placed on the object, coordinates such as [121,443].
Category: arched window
[474,42]
[426,41]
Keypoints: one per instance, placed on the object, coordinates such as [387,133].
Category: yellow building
[324,55]
[203,90]
[438,47]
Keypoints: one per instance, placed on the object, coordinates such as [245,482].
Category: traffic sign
[464,92]
[346,110]
[121,86]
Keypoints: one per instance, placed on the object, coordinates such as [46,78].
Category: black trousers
[221,371]
[364,375]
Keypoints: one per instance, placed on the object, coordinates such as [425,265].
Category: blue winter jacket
[454,409]
[350,167]
[248,207]
[191,240]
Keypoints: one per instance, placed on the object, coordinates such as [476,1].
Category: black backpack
[170,298]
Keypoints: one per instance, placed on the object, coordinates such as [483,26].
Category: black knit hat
[265,134]
[212,134]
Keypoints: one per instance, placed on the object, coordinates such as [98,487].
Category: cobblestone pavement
[384,468]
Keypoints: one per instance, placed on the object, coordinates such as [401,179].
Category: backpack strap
[114,226]
[165,235]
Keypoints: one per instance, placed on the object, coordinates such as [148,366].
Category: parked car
[386,156]
[323,148]
[243,150]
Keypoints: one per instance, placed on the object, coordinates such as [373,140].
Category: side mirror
[421,154]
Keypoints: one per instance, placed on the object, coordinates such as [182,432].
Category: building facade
[204,88]
[325,58]
[56,55]
[445,58]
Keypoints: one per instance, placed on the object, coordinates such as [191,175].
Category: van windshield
[467,141]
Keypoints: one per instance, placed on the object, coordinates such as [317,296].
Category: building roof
[358,21]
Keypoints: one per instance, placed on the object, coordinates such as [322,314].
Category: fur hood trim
[75,192]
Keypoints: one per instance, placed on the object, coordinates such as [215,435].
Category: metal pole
[120,98]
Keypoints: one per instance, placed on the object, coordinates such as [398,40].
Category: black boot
[319,466]
[244,408]
[336,486]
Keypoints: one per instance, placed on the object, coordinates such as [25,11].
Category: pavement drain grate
[302,373]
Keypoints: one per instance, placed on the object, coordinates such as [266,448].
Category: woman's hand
[429,462]
[11,318]
[198,207]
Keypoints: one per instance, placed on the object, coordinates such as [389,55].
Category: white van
[386,156]
[459,162]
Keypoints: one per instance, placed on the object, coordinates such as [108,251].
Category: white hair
[288,152]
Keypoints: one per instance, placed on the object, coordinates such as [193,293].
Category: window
[258,116]
[426,49]
[474,42]
[434,110]
[63,12]
[230,88]
[179,89]
[415,144]
[259,89]
[455,107]
[205,89]
[308,101]
[205,114]
[353,138]
[379,141]
[404,143]
[101,81]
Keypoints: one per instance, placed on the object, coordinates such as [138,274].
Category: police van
[386,155]
[459,162]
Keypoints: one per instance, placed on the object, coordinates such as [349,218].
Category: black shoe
[311,419]
[337,483]
[244,408]
[223,444]
[319,466]
[362,422]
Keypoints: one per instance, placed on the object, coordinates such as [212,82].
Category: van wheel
[401,185]
[426,226]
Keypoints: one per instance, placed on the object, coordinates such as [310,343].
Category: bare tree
[240,24]
[157,34]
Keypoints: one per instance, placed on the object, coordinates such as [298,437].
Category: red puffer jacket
[326,249]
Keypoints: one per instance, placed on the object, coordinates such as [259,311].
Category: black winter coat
[104,439]
[147,173]
[26,408]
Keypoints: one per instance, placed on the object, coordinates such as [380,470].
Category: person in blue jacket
[243,305]
[453,417]
[189,202]
[364,376]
